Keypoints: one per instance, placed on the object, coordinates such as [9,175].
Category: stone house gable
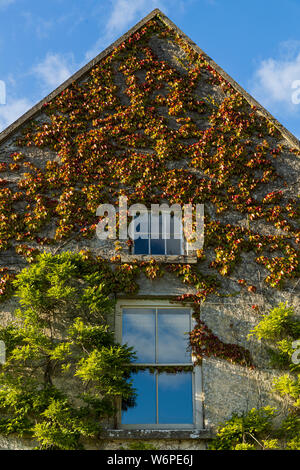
[154,118]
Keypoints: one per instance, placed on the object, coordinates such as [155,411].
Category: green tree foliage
[279,328]
[64,372]
[245,432]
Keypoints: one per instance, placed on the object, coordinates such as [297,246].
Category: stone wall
[227,388]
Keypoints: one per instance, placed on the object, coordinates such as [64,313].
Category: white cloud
[125,11]
[5,3]
[41,26]
[53,70]
[139,332]
[123,15]
[273,80]
[12,111]
[174,381]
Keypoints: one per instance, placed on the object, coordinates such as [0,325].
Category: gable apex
[81,73]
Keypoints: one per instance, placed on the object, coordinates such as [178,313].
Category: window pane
[172,340]
[144,411]
[176,227]
[141,247]
[175,404]
[138,326]
[141,229]
[156,226]
[141,225]
[157,247]
[160,242]
[173,247]
[175,240]
[157,242]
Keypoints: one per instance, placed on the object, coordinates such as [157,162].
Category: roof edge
[252,101]
[6,133]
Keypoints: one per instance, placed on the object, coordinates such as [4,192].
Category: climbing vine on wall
[205,344]
[126,129]
[109,142]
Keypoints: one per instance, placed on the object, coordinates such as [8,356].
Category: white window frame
[182,241]
[198,417]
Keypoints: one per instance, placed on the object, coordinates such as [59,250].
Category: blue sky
[257,43]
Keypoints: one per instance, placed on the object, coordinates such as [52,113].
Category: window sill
[181,259]
[156,434]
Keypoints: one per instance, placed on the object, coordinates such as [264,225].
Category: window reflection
[172,404]
[139,332]
[175,398]
[172,340]
[144,411]
[159,336]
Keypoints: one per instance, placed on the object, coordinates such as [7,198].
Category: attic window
[166,381]
[167,240]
